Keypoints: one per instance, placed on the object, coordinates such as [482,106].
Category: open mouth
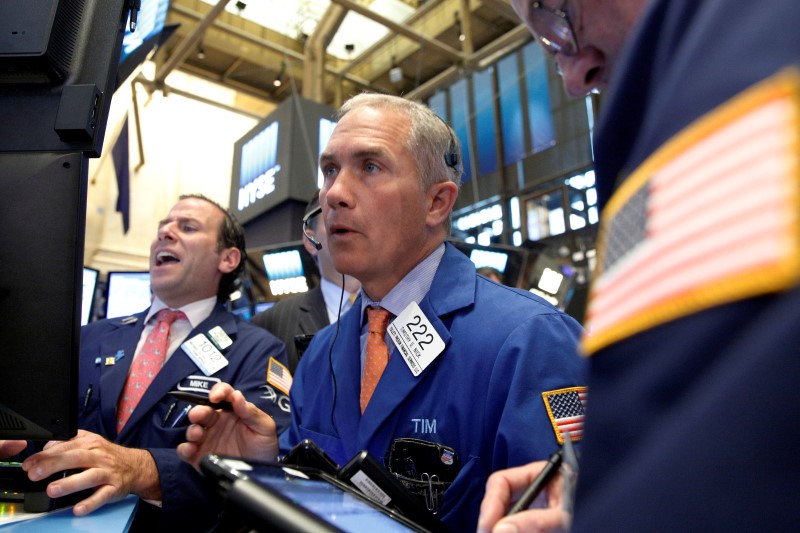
[162,258]
[339,230]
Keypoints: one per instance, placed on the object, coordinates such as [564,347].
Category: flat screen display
[90,276]
[128,293]
[150,21]
[486,258]
[285,272]
[332,504]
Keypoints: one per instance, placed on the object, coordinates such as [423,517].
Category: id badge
[204,354]
[416,339]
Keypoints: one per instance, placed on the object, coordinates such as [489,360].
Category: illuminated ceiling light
[395,73]
[277,82]
[461,36]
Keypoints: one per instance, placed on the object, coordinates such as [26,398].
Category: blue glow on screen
[150,20]
[259,154]
[510,109]
[485,129]
[539,116]
[283,265]
[438,104]
[485,258]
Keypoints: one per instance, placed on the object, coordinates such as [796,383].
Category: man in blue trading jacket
[481,364]
[194,262]
[695,312]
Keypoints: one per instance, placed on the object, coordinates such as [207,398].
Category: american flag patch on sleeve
[278,376]
[710,218]
[566,409]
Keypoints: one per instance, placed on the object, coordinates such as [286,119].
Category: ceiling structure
[428,46]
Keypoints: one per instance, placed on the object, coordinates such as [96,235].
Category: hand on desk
[506,486]
[115,471]
[9,448]
[245,432]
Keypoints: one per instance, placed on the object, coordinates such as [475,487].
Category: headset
[451,156]
[308,216]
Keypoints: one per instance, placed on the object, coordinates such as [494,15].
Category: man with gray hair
[463,382]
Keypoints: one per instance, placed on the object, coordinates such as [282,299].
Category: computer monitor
[149,35]
[127,293]
[508,260]
[58,62]
[489,258]
[285,272]
[90,276]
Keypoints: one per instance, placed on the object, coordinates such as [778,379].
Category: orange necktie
[377,352]
[146,365]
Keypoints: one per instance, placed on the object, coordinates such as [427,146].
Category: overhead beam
[269,45]
[465,19]
[402,29]
[189,43]
[426,8]
[314,53]
[479,60]
[504,8]
[151,86]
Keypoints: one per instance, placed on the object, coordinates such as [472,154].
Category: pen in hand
[539,483]
[199,399]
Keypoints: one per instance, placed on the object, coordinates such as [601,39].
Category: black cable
[330,356]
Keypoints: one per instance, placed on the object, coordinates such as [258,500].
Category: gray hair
[430,140]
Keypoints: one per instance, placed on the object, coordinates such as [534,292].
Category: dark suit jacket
[159,422]
[304,314]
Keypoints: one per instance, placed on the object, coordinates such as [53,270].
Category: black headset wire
[330,357]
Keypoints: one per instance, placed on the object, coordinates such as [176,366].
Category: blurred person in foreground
[693,325]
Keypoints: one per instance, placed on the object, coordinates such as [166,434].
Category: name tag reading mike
[416,339]
[204,354]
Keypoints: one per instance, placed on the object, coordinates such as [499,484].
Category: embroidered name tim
[424,425]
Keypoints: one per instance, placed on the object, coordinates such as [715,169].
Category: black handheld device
[199,399]
[307,454]
[285,499]
[370,477]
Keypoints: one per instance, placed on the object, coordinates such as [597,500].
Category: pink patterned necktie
[146,365]
[377,352]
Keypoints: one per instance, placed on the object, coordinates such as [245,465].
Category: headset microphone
[311,214]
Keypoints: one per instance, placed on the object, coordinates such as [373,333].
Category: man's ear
[441,199]
[229,259]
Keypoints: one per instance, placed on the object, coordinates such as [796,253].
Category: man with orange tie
[438,372]
[185,341]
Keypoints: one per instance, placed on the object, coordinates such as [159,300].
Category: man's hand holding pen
[522,485]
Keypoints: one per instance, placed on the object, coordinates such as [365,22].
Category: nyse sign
[258,188]
[259,166]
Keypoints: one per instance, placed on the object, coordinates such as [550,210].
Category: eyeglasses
[553,29]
